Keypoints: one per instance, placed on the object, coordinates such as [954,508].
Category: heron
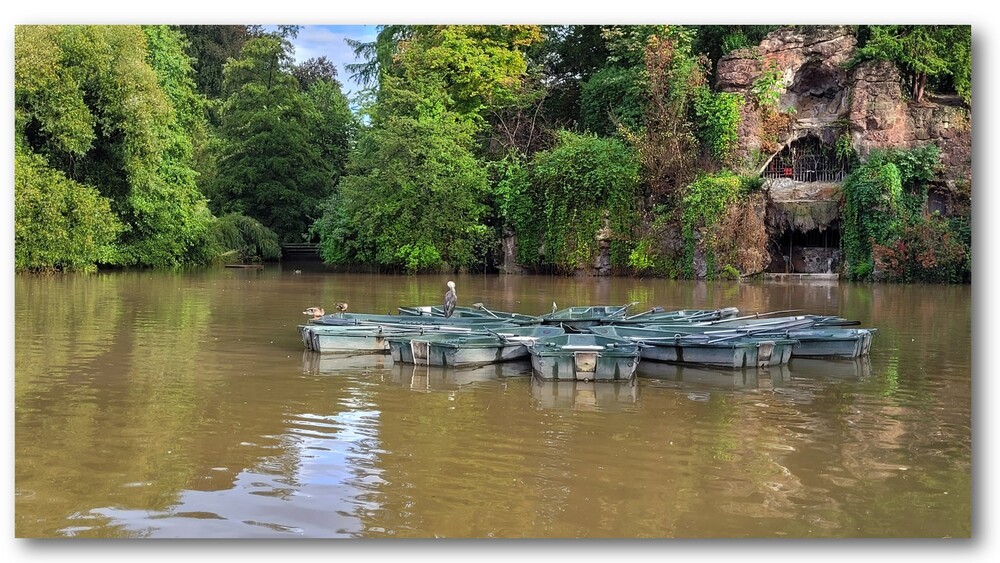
[450,299]
[314,312]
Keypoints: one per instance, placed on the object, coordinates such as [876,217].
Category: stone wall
[821,97]
[813,88]
[881,117]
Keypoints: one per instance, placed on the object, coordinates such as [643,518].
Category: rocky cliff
[819,95]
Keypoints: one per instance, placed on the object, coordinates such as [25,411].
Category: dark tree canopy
[314,70]
[282,149]
[210,46]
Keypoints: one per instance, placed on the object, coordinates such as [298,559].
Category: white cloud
[327,41]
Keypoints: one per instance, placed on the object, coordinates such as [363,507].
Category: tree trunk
[919,84]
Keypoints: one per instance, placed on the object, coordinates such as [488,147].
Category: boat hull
[809,342]
[503,345]
[586,357]
[327,339]
[412,348]
[325,342]
[465,355]
[700,349]
[847,344]
[757,354]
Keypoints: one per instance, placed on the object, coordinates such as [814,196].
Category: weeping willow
[243,237]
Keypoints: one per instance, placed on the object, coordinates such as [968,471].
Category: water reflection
[707,376]
[585,395]
[436,378]
[315,363]
[152,404]
[849,369]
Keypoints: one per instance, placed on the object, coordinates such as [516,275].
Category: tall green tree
[334,125]
[279,151]
[567,57]
[413,199]
[376,56]
[98,103]
[316,69]
[415,196]
[210,47]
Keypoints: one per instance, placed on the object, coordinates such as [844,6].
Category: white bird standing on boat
[450,300]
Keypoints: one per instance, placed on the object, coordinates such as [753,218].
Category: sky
[316,41]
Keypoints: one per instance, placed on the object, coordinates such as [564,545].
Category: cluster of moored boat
[589,343]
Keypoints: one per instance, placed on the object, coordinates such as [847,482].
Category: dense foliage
[939,53]
[581,147]
[413,199]
[613,97]
[582,190]
[282,149]
[59,224]
[108,113]
[887,235]
[711,222]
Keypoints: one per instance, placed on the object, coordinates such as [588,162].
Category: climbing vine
[767,88]
[719,114]
[517,209]
[886,233]
[708,202]
[584,185]
[871,212]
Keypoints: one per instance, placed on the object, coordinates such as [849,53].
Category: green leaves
[720,115]
[871,212]
[113,108]
[282,150]
[924,51]
[613,97]
[583,184]
[59,224]
[245,238]
[462,68]
[415,195]
[704,206]
[885,228]
[47,96]
[414,198]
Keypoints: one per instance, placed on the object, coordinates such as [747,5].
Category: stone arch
[808,158]
[803,181]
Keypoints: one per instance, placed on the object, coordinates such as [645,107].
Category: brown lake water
[183,405]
